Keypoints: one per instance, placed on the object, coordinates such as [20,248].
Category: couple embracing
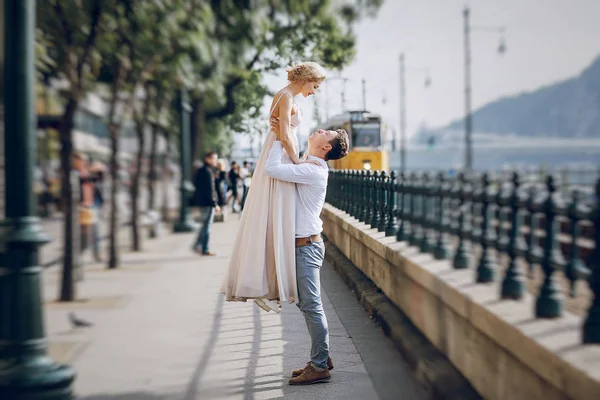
[278,250]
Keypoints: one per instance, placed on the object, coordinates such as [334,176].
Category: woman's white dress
[263,262]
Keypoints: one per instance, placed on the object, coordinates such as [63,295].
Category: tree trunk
[113,256]
[114,128]
[198,129]
[152,174]
[141,121]
[67,289]
[152,167]
[166,178]
[135,190]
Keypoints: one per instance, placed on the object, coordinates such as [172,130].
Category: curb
[432,368]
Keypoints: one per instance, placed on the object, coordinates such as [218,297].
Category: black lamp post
[26,372]
[467,29]
[186,188]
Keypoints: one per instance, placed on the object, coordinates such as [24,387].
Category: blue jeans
[206,218]
[309,260]
[96,232]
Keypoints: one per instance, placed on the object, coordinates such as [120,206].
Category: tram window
[366,135]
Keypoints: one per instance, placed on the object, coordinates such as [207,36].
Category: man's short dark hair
[210,154]
[339,146]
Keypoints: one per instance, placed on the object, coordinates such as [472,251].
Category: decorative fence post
[415,218]
[486,270]
[534,253]
[348,192]
[550,301]
[442,249]
[330,187]
[351,194]
[382,202]
[362,206]
[591,326]
[462,258]
[427,240]
[356,195]
[403,208]
[344,190]
[390,229]
[369,198]
[513,285]
[375,200]
[575,268]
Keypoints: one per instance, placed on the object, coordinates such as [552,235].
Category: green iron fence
[478,221]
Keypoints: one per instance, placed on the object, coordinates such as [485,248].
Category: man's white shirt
[311,187]
[245,175]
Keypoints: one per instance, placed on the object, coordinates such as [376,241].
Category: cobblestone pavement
[162,330]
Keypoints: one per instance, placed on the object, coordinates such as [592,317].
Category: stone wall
[497,345]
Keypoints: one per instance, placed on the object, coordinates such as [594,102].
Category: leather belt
[307,241]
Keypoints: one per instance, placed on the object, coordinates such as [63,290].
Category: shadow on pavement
[193,385]
[124,396]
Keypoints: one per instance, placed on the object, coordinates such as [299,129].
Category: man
[311,187]
[245,175]
[234,178]
[88,218]
[205,198]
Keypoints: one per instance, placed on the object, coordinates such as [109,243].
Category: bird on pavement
[77,322]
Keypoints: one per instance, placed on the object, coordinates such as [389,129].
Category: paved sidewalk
[52,252]
[163,331]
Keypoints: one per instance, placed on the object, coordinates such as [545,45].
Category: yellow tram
[368,138]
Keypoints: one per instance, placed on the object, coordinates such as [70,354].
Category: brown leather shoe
[310,375]
[298,372]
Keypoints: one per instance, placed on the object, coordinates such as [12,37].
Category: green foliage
[66,35]
[263,38]
[219,49]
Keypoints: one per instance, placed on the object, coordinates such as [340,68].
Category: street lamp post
[344,80]
[403,107]
[402,116]
[364,94]
[468,120]
[468,92]
[26,372]
[186,188]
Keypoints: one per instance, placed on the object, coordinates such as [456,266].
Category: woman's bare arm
[285,130]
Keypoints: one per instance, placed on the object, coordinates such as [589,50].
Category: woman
[263,265]
[221,182]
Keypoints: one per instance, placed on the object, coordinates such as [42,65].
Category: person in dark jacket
[234,179]
[206,199]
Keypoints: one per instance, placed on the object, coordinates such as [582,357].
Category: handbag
[87,216]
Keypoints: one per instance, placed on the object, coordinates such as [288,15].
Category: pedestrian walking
[234,181]
[206,199]
[87,213]
[246,179]
[97,172]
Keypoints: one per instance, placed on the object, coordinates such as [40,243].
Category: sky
[546,41]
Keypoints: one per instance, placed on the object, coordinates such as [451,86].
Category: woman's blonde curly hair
[308,71]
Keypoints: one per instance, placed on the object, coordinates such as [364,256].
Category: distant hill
[567,109]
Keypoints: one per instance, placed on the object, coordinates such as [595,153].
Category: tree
[268,35]
[69,29]
[155,43]
[159,113]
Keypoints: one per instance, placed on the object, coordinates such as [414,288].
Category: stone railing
[440,247]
